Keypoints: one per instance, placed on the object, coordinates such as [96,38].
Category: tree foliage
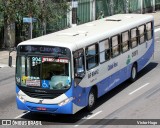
[45,11]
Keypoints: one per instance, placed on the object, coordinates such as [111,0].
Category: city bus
[65,71]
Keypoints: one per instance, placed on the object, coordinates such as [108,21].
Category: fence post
[92,10]
[141,4]
[74,12]
[112,7]
[154,5]
[127,6]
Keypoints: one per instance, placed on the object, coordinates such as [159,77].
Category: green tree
[45,11]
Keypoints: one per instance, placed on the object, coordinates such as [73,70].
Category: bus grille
[42,95]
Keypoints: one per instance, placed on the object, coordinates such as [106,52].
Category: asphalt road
[139,100]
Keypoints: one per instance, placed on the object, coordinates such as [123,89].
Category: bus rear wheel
[133,73]
[91,100]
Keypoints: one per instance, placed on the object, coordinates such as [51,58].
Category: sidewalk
[156,18]
[5,54]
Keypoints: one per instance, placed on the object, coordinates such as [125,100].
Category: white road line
[88,118]
[21,115]
[138,89]
[156,30]
[94,115]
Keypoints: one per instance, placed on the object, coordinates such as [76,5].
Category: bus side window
[92,59]
[134,40]
[115,46]
[141,34]
[125,41]
[79,66]
[104,50]
[149,31]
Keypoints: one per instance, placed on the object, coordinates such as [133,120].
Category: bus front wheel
[133,73]
[91,100]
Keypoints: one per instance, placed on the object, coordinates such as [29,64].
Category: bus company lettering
[54,60]
[92,74]
[135,53]
[110,67]
[49,49]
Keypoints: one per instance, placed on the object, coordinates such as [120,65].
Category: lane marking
[88,118]
[94,115]
[21,115]
[138,89]
[156,30]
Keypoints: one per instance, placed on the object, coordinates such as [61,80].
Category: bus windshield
[45,72]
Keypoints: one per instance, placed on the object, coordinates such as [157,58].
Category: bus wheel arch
[134,71]
[92,96]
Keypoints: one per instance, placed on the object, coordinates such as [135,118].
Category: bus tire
[133,73]
[91,100]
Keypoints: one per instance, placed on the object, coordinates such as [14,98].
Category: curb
[5,65]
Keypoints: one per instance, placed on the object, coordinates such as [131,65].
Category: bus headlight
[66,101]
[20,97]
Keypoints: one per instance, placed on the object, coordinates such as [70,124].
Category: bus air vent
[68,34]
[73,34]
[42,95]
[112,19]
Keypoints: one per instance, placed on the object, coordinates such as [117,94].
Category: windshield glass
[45,72]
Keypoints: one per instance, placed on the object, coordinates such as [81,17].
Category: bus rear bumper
[45,108]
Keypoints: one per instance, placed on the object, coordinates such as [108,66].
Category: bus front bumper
[45,108]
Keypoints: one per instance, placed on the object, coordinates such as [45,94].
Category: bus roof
[82,35]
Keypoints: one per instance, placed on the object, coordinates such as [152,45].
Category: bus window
[104,50]
[92,56]
[125,41]
[141,34]
[149,30]
[115,46]
[79,69]
[134,41]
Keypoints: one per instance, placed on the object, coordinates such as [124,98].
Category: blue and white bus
[65,71]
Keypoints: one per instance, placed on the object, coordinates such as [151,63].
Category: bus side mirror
[10,61]
[80,75]
[78,78]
